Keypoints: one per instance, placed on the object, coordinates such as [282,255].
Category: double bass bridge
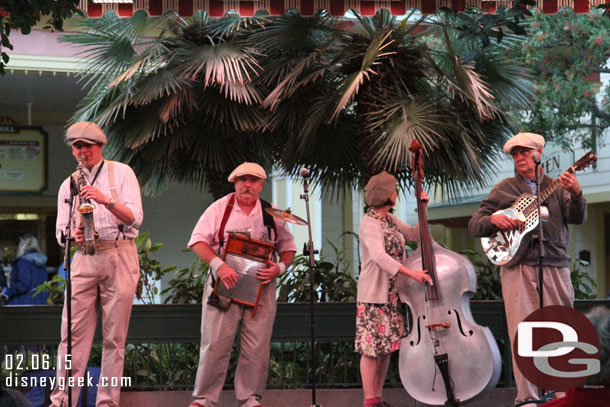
[438,326]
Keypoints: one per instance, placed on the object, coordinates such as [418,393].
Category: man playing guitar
[566,205]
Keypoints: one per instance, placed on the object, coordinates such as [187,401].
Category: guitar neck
[544,195]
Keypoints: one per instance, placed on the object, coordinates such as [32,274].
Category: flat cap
[86,132]
[379,189]
[529,140]
[248,169]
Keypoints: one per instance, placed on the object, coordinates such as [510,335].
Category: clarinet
[86,209]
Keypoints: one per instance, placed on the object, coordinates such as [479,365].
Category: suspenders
[113,191]
[114,194]
[267,220]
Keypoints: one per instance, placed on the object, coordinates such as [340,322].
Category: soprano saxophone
[86,208]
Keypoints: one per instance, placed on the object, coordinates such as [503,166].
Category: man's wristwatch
[111,204]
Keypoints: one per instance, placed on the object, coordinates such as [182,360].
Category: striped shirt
[128,193]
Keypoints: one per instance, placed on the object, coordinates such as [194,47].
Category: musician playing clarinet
[566,205]
[109,274]
[242,210]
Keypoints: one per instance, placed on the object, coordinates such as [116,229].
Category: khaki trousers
[114,271]
[520,292]
[218,329]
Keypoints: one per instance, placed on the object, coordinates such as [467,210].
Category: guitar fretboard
[544,195]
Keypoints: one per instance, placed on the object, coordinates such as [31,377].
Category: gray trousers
[519,290]
[218,329]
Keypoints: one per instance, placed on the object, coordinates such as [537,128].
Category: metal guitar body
[504,248]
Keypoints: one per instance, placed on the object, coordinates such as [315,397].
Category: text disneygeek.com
[61,382]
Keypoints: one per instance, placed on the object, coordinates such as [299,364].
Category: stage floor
[499,397]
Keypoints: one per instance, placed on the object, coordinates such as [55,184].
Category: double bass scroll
[446,359]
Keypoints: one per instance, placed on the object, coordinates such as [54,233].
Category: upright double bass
[446,358]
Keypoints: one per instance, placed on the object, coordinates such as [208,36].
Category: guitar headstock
[585,161]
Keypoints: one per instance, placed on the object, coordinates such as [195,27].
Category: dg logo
[556,348]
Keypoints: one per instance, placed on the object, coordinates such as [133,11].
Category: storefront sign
[23,159]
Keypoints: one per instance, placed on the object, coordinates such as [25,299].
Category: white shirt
[207,227]
[128,193]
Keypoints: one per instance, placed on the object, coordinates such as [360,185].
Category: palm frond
[374,54]
[398,123]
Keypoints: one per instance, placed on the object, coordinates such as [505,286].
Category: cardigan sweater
[378,266]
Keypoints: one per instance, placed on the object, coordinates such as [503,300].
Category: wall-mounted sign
[23,158]
[555,160]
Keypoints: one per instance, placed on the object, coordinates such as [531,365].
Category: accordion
[246,256]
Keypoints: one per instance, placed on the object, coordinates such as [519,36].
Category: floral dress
[380,327]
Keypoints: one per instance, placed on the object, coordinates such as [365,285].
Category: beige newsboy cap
[86,132]
[248,169]
[379,188]
[529,140]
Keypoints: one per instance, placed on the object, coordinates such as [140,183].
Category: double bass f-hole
[445,343]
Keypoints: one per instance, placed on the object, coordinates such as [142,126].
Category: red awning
[218,8]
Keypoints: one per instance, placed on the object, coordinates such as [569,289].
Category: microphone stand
[68,239]
[540,242]
[308,250]
[540,236]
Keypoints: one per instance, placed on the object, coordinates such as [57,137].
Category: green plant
[564,50]
[188,285]
[151,270]
[55,287]
[585,288]
[332,281]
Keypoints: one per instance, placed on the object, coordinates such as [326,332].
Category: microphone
[304,172]
[536,158]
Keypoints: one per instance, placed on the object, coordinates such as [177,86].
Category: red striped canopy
[217,8]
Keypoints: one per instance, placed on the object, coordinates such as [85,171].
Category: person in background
[28,272]
[380,322]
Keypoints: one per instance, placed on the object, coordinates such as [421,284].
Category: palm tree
[180,105]
[378,86]
[203,95]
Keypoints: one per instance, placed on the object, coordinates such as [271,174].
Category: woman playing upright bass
[380,320]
